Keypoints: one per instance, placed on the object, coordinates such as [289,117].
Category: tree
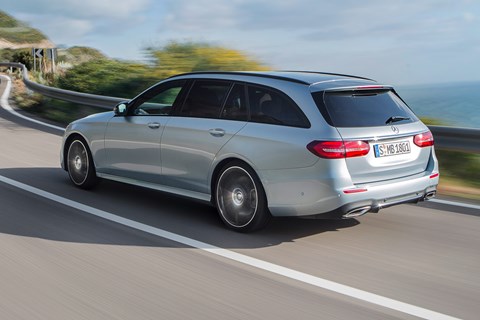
[126,79]
[6,55]
[105,77]
[23,56]
[177,58]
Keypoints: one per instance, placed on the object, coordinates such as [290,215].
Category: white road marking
[5,105]
[454,203]
[256,263]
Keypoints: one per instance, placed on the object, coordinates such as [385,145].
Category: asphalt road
[58,261]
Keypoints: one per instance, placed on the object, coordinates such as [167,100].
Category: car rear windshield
[363,108]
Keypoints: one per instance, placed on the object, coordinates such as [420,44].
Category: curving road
[164,257]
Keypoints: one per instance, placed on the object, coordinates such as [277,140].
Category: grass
[60,112]
[458,188]
[7,21]
[15,31]
[21,36]
[460,167]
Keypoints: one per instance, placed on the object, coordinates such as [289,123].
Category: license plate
[391,149]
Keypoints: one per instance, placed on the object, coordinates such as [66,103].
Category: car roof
[309,78]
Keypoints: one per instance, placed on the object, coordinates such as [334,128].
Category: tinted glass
[205,99]
[236,107]
[270,106]
[158,100]
[363,108]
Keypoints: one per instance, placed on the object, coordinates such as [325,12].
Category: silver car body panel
[371,169]
[189,148]
[205,197]
[132,147]
[181,154]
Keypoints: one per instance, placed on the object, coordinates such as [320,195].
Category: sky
[398,42]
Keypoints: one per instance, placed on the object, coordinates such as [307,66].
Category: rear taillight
[423,139]
[339,149]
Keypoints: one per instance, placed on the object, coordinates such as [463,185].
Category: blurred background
[427,49]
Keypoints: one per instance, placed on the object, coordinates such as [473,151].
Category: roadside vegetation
[459,171]
[460,174]
[88,70]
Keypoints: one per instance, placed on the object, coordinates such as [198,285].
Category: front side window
[273,107]
[158,100]
[205,99]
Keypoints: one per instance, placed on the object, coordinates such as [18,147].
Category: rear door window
[205,99]
[363,108]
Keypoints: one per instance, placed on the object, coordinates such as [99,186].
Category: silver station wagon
[262,144]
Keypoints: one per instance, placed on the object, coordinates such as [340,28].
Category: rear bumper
[329,201]
[357,209]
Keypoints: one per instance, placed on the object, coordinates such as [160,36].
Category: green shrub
[460,166]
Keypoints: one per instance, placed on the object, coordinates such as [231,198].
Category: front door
[132,142]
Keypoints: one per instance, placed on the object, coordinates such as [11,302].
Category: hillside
[16,35]
[76,55]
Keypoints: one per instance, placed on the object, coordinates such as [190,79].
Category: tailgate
[391,156]
[378,116]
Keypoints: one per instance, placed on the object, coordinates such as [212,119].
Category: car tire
[240,198]
[80,166]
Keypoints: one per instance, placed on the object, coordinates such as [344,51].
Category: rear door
[213,111]
[379,117]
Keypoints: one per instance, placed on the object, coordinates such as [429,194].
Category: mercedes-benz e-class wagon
[261,144]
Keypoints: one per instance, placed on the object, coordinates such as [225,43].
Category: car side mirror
[120,109]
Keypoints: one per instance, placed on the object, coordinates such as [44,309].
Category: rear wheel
[80,164]
[240,198]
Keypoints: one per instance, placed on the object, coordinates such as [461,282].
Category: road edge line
[6,106]
[455,203]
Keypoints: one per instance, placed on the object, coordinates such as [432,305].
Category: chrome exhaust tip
[430,195]
[356,212]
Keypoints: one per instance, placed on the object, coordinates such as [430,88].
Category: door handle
[154,125]
[217,132]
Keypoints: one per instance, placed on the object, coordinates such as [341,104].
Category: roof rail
[252,74]
[328,73]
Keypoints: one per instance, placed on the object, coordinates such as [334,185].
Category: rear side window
[273,107]
[205,99]
[363,108]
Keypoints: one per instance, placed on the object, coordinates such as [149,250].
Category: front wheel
[240,198]
[80,165]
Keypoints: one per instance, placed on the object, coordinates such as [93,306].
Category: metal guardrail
[449,138]
[457,139]
[65,95]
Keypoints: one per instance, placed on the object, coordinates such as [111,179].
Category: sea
[451,104]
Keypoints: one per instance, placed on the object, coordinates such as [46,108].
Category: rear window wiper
[396,119]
